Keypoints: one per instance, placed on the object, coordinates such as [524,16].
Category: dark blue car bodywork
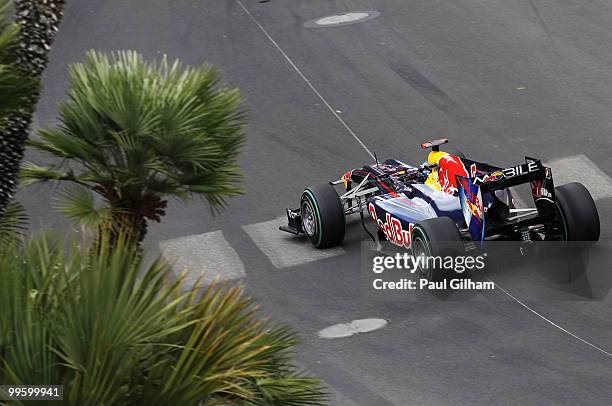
[475,195]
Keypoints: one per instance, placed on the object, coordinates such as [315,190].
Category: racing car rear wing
[532,172]
[515,175]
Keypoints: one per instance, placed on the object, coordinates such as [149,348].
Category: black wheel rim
[420,250]
[309,221]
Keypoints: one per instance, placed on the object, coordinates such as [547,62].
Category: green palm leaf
[13,225]
[139,133]
[78,204]
[26,35]
[113,330]
[32,173]
[15,87]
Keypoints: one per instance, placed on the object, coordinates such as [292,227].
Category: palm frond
[78,205]
[23,57]
[13,225]
[116,331]
[290,391]
[31,173]
[8,29]
[149,129]
[15,87]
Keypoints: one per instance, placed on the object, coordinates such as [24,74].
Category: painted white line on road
[305,79]
[342,18]
[285,249]
[552,323]
[519,202]
[205,255]
[343,330]
[579,168]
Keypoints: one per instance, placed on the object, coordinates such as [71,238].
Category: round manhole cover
[342,19]
[351,328]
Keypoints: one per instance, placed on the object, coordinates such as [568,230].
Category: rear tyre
[436,238]
[578,217]
[323,218]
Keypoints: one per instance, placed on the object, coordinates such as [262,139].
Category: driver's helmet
[448,166]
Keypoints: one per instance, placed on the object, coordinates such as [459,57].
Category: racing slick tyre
[577,211]
[323,218]
[436,239]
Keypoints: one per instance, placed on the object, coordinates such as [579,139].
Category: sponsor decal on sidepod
[392,228]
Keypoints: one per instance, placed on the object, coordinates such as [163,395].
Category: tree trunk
[127,224]
[122,229]
[38,21]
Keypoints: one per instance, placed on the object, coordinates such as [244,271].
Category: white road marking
[205,255]
[343,330]
[305,79]
[597,182]
[341,18]
[552,323]
[285,249]
[520,203]
[579,168]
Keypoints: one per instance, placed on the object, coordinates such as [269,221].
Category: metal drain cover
[351,328]
[342,19]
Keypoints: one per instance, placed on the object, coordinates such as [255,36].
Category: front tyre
[436,239]
[323,218]
[578,217]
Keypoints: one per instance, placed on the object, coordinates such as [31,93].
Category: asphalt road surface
[500,78]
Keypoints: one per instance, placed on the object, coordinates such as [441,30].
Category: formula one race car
[445,202]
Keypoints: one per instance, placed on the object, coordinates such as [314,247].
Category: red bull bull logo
[475,208]
[450,166]
[472,207]
[346,178]
[472,199]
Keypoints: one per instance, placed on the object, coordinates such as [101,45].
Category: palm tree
[136,133]
[13,226]
[15,88]
[13,84]
[24,48]
[115,331]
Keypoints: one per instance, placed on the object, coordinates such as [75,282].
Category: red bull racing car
[445,202]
